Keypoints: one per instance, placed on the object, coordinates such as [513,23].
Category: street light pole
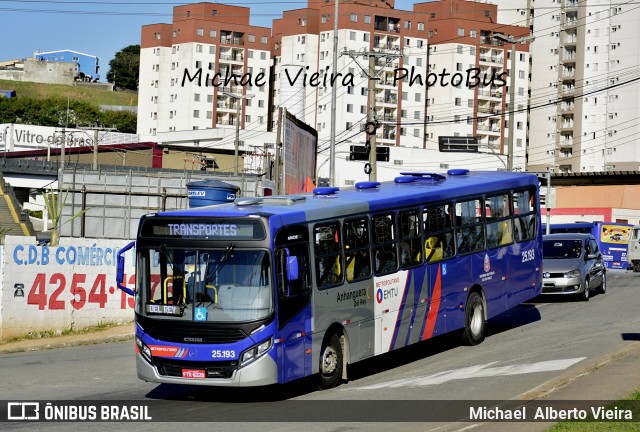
[512,92]
[237,145]
[512,108]
[238,99]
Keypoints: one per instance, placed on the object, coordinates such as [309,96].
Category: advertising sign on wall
[70,286]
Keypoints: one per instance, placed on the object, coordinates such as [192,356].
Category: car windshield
[222,285]
[562,249]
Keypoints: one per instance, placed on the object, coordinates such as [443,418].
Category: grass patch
[628,403]
[93,96]
[45,334]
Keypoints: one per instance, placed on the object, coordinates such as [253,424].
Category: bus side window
[411,239]
[498,219]
[438,232]
[386,256]
[524,212]
[328,252]
[471,230]
[357,254]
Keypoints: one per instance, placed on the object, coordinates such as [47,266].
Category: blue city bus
[612,238]
[271,289]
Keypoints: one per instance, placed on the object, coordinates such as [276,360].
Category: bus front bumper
[263,371]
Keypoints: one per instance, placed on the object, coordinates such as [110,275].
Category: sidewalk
[111,334]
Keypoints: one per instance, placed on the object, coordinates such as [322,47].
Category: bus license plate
[193,373]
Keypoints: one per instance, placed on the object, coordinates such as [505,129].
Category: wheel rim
[586,289]
[476,320]
[329,361]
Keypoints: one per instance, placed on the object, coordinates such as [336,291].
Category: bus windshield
[218,285]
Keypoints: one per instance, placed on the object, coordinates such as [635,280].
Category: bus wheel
[636,266]
[474,320]
[330,363]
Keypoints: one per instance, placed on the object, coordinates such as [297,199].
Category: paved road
[530,351]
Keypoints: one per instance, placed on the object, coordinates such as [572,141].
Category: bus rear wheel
[331,361]
[636,266]
[474,320]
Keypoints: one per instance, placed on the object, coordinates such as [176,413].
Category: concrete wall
[57,288]
[43,72]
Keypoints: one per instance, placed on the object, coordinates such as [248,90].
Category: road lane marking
[478,371]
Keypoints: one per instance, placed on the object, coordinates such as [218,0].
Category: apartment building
[442,72]
[584,84]
[209,68]
[428,63]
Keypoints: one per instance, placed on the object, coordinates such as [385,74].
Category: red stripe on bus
[433,308]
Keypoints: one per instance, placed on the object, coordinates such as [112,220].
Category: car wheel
[330,363]
[474,320]
[602,289]
[586,292]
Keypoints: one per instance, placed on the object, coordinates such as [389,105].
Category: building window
[263,39]
[460,32]
[196,113]
[200,32]
[196,97]
[407,24]
[198,48]
[353,17]
[352,35]
[367,19]
[349,108]
[473,33]
[212,33]
[263,55]
[420,26]
[252,38]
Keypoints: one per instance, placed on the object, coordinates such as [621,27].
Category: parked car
[572,264]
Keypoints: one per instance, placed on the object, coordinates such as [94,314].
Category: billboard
[300,147]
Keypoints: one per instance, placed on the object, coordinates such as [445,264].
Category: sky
[102,28]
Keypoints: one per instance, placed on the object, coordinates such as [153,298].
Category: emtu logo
[23,411]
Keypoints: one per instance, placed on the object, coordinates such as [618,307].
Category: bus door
[294,306]
[439,247]
[499,256]
[525,253]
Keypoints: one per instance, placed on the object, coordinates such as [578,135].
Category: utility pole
[372,124]
[512,106]
[332,144]
[277,150]
[547,199]
[371,121]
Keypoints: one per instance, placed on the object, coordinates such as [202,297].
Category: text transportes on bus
[268,290]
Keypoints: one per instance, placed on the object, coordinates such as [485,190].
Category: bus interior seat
[505,233]
[433,249]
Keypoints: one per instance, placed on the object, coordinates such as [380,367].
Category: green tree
[124,68]
[123,121]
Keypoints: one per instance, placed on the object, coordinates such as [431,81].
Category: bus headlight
[144,349]
[255,352]
[572,274]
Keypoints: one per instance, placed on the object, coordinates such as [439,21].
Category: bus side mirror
[120,269]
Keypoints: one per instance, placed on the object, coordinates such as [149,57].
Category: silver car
[572,264]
